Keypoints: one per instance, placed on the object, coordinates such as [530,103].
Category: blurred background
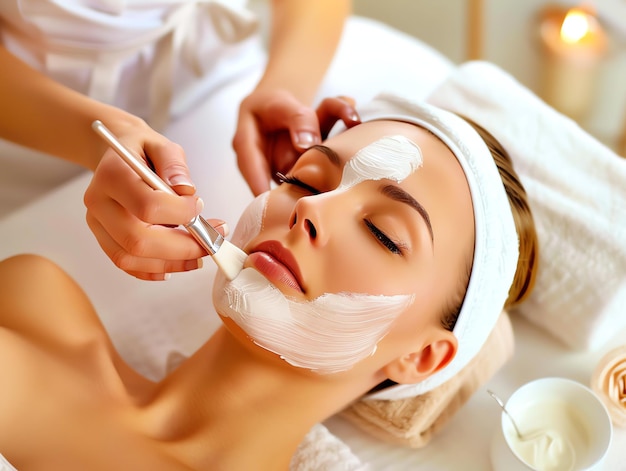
[577,65]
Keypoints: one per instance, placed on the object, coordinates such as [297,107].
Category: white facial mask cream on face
[251,220]
[327,335]
[334,331]
[392,157]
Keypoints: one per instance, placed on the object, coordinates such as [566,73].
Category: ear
[417,366]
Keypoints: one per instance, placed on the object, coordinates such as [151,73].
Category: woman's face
[392,240]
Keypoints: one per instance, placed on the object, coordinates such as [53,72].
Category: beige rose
[609,382]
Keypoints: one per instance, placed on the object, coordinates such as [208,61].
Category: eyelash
[382,238]
[376,232]
[296,182]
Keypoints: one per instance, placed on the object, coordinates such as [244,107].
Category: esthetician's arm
[277,116]
[41,114]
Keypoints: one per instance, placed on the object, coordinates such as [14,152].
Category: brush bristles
[230,259]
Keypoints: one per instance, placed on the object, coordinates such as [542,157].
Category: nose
[309,219]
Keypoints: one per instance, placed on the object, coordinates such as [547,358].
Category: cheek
[354,266]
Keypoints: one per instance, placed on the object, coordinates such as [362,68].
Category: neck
[229,397]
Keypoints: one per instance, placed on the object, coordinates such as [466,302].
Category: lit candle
[573,43]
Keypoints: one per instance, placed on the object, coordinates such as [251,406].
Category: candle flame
[576,26]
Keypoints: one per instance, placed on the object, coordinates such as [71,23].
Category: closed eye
[297,182]
[383,238]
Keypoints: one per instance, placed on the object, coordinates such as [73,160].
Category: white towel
[322,451]
[577,191]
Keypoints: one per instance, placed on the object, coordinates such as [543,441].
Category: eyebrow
[398,194]
[328,152]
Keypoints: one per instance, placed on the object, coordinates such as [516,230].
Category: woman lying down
[384,258]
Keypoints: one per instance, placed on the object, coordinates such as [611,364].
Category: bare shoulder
[40,300]
[51,346]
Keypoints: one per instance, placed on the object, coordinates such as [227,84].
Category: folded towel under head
[414,421]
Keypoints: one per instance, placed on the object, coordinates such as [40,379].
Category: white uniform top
[153,58]
[140,55]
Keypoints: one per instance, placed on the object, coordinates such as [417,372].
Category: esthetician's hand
[274,129]
[334,109]
[264,116]
[136,225]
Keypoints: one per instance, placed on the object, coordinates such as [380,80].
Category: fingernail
[192,264]
[225,228]
[180,179]
[199,205]
[306,139]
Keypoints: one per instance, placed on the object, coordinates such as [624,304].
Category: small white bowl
[565,427]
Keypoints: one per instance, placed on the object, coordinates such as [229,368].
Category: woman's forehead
[348,143]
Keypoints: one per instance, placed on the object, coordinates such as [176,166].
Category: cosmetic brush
[228,257]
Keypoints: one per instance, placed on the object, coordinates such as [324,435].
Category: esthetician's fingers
[151,238]
[248,144]
[113,179]
[151,269]
[124,207]
[263,117]
[145,236]
[282,151]
[333,109]
[168,160]
[285,147]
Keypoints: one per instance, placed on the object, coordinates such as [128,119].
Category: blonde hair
[526,272]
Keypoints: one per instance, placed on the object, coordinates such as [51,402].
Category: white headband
[496,248]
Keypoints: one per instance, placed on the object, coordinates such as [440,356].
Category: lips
[277,264]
